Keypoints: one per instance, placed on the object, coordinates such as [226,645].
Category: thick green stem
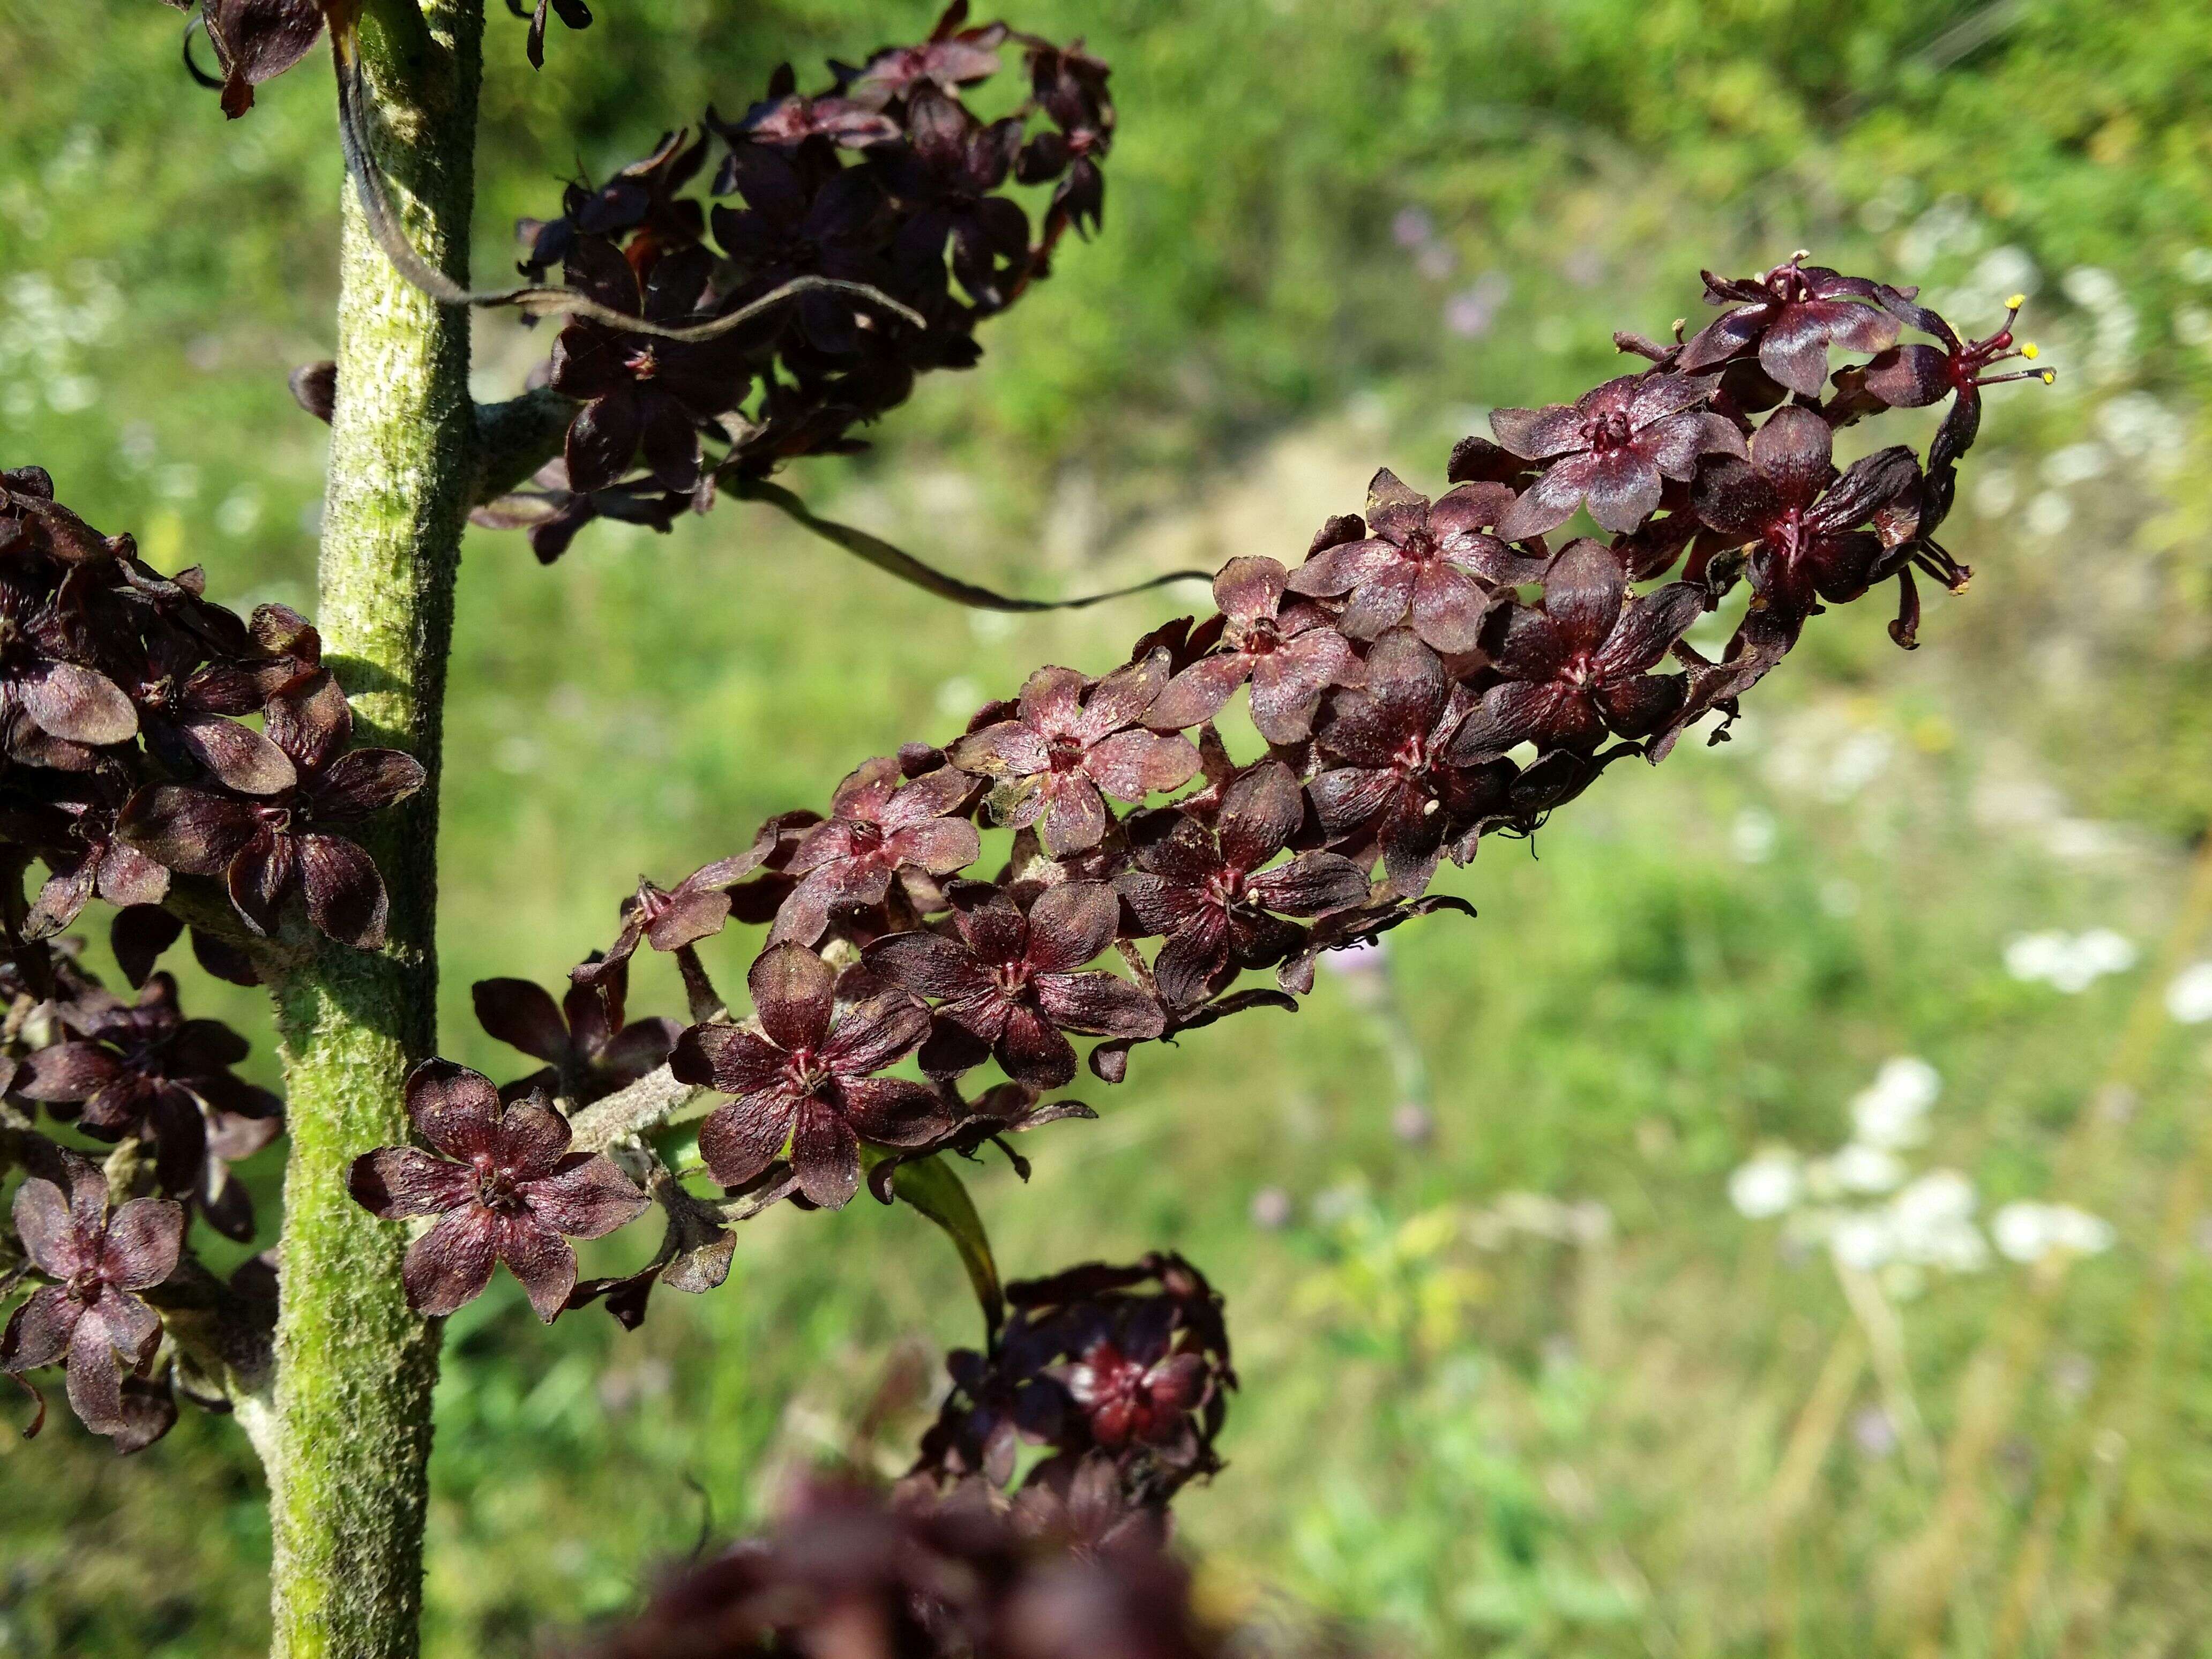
[352,1431]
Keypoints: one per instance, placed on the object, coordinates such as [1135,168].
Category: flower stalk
[352,1408]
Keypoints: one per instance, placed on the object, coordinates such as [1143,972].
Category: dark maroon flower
[1913,376]
[639,391]
[41,684]
[589,1051]
[1389,783]
[73,829]
[1806,521]
[89,1316]
[1434,561]
[1008,983]
[799,222]
[877,827]
[270,848]
[1063,747]
[184,701]
[639,197]
[148,1070]
[1292,654]
[507,1188]
[1580,664]
[256,40]
[1613,448]
[1209,891]
[1793,313]
[946,176]
[954,55]
[808,1077]
[1070,86]
[1131,1362]
[787,118]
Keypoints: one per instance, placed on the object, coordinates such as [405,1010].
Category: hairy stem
[351,1428]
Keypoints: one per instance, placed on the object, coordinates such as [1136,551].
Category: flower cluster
[153,741]
[885,179]
[159,1089]
[1119,1370]
[125,698]
[1433,672]
[846,1571]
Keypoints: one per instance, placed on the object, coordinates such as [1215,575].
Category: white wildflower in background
[1861,1240]
[1893,1111]
[2068,962]
[1753,835]
[1931,1224]
[1860,1169]
[2189,998]
[1769,1185]
[2027,1232]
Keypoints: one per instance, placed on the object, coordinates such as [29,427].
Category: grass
[1531,1385]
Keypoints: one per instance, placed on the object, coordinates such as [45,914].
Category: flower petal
[449,1266]
[523,1015]
[395,1182]
[142,1242]
[345,895]
[742,1139]
[792,991]
[825,1155]
[586,1196]
[537,1256]
[455,1109]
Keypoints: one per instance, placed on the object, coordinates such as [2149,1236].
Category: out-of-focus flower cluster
[1865,1205]
[847,1571]
[1433,672]
[1122,1372]
[151,738]
[883,177]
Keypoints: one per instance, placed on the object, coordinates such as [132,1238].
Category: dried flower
[1007,981]
[504,1185]
[808,1078]
[90,1317]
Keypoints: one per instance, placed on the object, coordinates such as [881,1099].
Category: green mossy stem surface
[351,1430]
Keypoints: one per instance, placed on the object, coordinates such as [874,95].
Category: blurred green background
[1520,1377]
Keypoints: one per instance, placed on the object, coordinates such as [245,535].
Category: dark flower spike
[1007,984]
[269,849]
[878,826]
[1290,653]
[1066,747]
[89,1318]
[1792,314]
[808,1078]
[1432,561]
[1580,665]
[1613,448]
[1210,891]
[504,1185]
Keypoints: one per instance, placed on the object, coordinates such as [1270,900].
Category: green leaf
[931,1185]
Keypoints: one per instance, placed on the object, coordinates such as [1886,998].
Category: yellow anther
[2015,302]
[2049,375]
[2029,350]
